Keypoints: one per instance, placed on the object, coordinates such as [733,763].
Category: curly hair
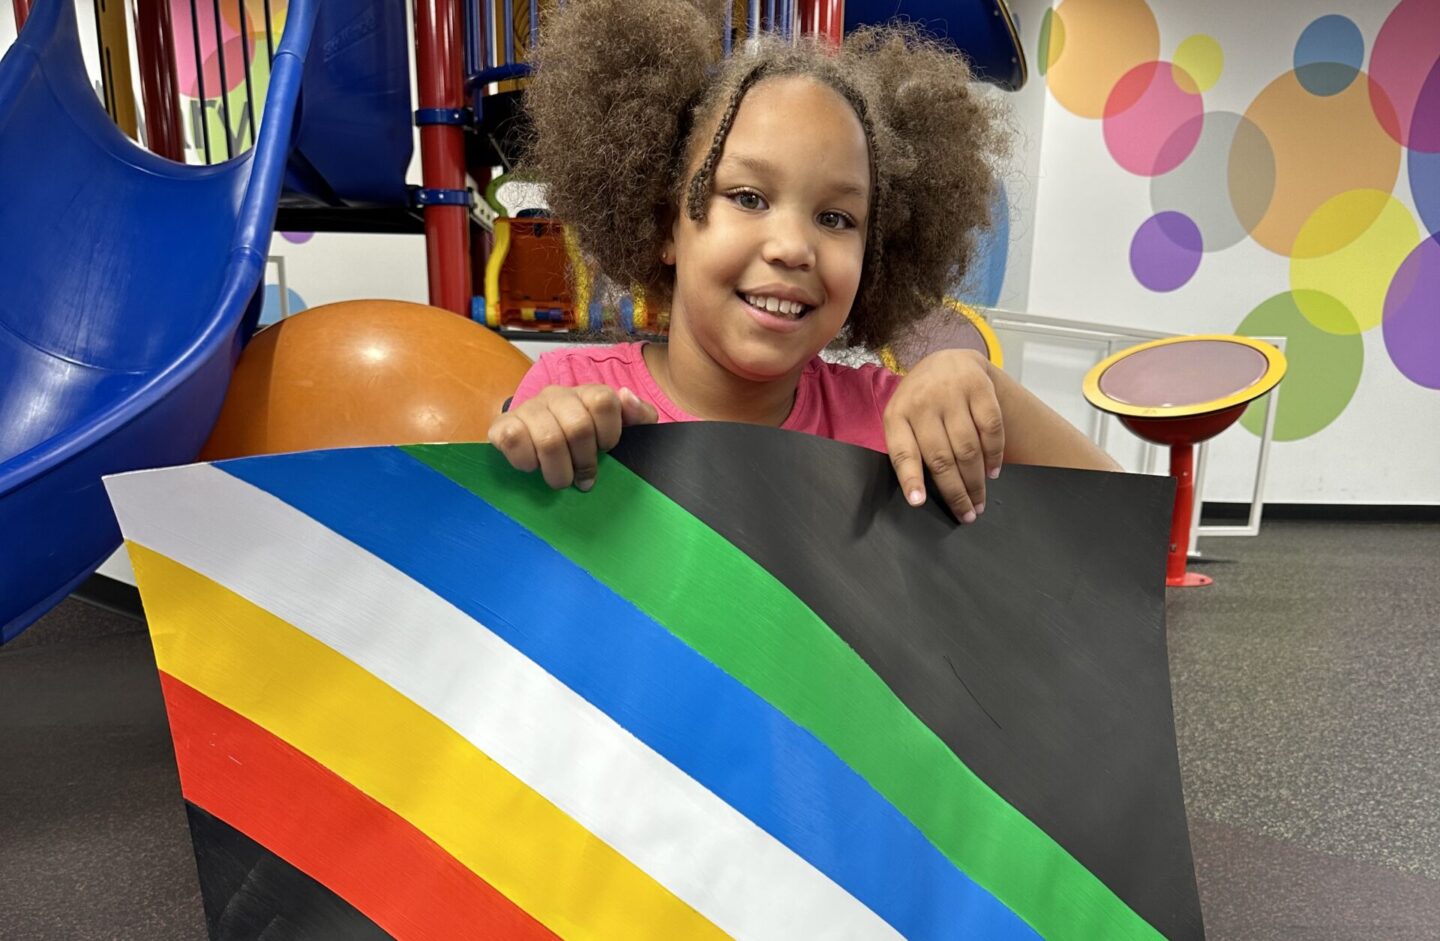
[626,93]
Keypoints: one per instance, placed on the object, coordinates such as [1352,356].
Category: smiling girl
[772,202]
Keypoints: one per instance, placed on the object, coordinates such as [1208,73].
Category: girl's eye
[832,219]
[748,199]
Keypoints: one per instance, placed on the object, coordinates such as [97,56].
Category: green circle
[1324,367]
[1050,31]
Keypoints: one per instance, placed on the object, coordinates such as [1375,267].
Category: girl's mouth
[775,307]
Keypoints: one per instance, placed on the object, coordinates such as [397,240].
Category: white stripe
[687,839]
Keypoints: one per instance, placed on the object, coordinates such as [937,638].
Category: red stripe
[318,822]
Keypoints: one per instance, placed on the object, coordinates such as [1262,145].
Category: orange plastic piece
[365,373]
[527,282]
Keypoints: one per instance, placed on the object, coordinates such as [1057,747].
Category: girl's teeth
[775,306]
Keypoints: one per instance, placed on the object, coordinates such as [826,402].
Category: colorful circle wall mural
[1307,170]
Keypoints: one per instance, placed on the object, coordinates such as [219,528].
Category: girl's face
[769,277]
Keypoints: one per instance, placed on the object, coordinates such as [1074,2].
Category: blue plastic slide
[127,283]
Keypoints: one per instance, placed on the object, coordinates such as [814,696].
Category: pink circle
[297,238]
[1412,315]
[1403,56]
[1150,125]
[235,54]
[185,46]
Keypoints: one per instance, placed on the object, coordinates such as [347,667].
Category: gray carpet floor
[1307,710]
[1307,701]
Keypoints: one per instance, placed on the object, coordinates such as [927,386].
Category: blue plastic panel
[126,286]
[982,29]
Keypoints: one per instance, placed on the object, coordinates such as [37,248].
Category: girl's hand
[563,429]
[945,415]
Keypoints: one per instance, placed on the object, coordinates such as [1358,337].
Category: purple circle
[298,238]
[1166,251]
[1425,122]
[1412,315]
[1425,188]
[1425,151]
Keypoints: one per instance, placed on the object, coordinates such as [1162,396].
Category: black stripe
[1033,642]
[253,895]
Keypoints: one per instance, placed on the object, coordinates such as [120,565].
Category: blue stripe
[646,679]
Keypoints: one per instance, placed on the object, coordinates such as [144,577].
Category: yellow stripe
[387,746]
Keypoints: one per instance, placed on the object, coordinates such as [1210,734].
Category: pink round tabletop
[1179,374]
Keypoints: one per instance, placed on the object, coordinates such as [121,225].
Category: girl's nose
[788,243]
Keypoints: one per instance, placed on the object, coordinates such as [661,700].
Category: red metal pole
[441,81]
[22,13]
[1182,468]
[823,18]
[155,46]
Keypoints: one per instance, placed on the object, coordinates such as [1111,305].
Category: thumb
[635,411]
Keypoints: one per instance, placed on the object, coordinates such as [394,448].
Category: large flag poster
[739,689]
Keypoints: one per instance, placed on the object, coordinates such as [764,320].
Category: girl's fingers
[635,410]
[578,427]
[605,412]
[946,466]
[511,436]
[905,458]
[969,456]
[551,448]
[985,414]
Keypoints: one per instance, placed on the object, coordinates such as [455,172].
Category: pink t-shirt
[844,403]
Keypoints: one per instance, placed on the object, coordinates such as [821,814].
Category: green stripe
[739,617]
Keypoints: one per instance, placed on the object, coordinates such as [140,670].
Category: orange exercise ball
[365,373]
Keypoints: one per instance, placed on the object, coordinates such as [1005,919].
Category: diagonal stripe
[677,702]
[1058,699]
[682,835]
[249,892]
[791,658]
[319,823]
[306,694]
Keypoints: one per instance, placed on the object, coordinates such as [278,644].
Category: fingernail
[916,497]
[994,472]
[969,517]
[584,485]
[979,509]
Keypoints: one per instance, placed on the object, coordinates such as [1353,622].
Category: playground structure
[124,314]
